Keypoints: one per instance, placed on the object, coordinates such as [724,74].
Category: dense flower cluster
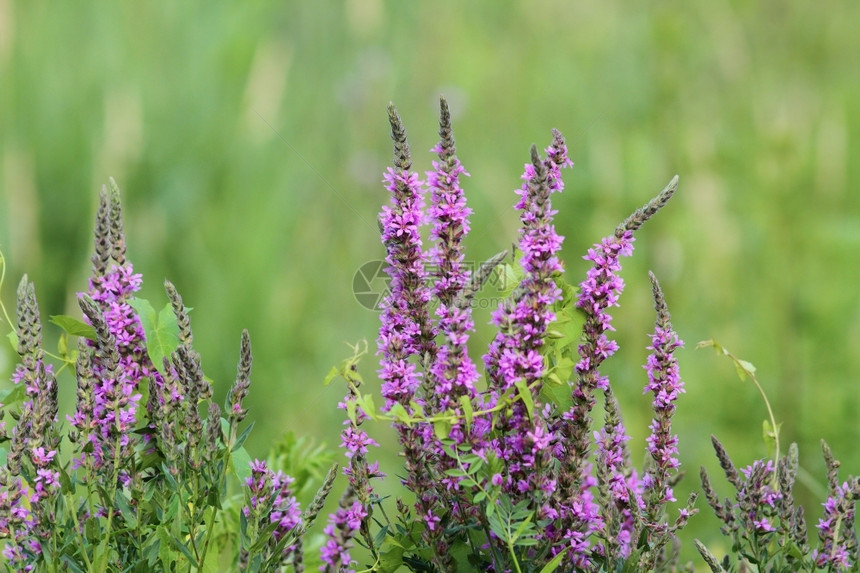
[513,476]
[270,500]
[767,525]
[134,469]
[664,381]
[836,529]
[341,530]
[30,479]
[466,450]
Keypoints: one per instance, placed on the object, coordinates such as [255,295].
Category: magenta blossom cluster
[112,412]
[29,481]
[270,500]
[766,524]
[664,382]
[342,528]
[134,475]
[468,450]
[835,529]
[525,443]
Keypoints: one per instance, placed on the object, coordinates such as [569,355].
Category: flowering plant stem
[747,370]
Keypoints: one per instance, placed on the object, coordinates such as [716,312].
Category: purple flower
[514,355]
[107,412]
[665,383]
[837,544]
[355,441]
[406,332]
[269,499]
[452,374]
[341,530]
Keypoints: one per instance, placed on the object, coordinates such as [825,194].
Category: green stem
[210,527]
[70,503]
[109,503]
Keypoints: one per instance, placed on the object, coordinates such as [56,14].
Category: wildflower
[599,291]
[233,405]
[665,383]
[109,390]
[514,355]
[837,538]
[618,485]
[269,500]
[342,528]
[452,374]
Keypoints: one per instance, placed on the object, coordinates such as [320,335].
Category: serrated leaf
[73,326]
[160,330]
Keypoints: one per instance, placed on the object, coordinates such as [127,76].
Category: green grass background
[249,140]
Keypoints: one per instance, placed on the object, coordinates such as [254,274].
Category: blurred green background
[249,140]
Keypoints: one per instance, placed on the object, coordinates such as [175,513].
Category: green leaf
[399,413]
[508,277]
[13,395]
[391,560]
[557,391]
[712,344]
[468,411]
[456,472]
[368,406]
[441,429]
[330,376]
[151,550]
[69,562]
[554,563]
[524,526]
[13,339]
[240,441]
[526,396]
[160,330]
[125,509]
[164,548]
[744,368]
[73,326]
[351,407]
[241,461]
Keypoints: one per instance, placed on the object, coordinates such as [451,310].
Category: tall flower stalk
[143,489]
[466,451]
